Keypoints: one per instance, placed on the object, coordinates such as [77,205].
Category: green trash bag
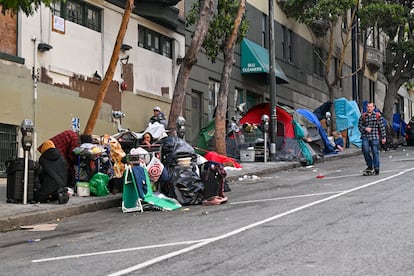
[98,184]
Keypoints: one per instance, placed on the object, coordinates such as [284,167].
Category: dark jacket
[52,176]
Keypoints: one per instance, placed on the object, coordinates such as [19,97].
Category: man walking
[372,127]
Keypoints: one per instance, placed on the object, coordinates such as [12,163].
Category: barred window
[79,12]
[154,41]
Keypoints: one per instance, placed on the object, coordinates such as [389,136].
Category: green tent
[206,133]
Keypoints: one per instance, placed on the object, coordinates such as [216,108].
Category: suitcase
[15,180]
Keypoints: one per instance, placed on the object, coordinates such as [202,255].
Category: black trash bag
[174,147]
[187,186]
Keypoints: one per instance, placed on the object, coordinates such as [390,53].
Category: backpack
[213,176]
[377,115]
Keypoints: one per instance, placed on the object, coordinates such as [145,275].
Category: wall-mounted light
[43,47]
[125,47]
[179,60]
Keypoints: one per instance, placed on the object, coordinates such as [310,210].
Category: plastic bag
[155,168]
[98,184]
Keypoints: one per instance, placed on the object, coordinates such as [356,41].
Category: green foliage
[221,26]
[386,16]
[26,6]
[306,11]
[404,47]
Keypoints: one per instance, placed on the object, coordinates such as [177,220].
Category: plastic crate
[247,155]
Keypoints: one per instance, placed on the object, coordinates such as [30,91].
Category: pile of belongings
[173,177]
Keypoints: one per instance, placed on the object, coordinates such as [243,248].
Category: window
[79,12]
[318,68]
[213,89]
[337,73]
[252,99]
[264,19]
[239,96]
[372,91]
[373,37]
[345,22]
[287,44]
[154,41]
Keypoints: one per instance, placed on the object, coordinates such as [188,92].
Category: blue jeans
[371,151]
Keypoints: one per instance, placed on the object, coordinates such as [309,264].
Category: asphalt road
[324,219]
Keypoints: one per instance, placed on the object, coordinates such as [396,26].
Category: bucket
[83,189]
[184,162]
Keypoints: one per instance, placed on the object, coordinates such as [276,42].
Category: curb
[295,165]
[14,222]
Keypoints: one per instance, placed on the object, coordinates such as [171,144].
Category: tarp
[320,112]
[328,148]
[206,134]
[347,115]
[255,59]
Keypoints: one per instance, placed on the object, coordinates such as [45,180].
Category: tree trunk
[332,127]
[389,101]
[200,32]
[129,5]
[221,109]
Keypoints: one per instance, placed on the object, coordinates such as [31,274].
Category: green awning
[255,59]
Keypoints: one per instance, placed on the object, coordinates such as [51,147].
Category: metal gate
[8,146]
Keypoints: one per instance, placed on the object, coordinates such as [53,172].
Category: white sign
[58,24]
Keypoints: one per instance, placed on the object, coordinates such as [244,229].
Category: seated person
[159,117]
[338,140]
[147,140]
[53,175]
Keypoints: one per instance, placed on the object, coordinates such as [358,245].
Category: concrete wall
[57,106]
[82,51]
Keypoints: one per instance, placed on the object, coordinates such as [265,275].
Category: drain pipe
[34,77]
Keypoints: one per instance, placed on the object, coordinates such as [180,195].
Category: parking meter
[265,128]
[265,123]
[27,128]
[180,125]
[328,118]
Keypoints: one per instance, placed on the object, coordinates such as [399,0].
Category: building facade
[296,49]
[52,64]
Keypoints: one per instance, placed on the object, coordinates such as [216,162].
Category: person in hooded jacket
[53,175]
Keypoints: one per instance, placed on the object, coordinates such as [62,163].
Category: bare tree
[228,51]
[206,10]
[90,125]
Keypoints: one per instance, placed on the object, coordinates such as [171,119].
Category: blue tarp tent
[347,115]
[309,115]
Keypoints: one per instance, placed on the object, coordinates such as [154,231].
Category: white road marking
[286,197]
[204,242]
[348,175]
[115,251]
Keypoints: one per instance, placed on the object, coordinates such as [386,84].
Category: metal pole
[34,76]
[265,147]
[26,175]
[354,60]
[272,79]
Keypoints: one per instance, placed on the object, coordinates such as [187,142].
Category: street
[325,219]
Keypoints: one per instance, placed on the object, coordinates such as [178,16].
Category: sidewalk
[12,216]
